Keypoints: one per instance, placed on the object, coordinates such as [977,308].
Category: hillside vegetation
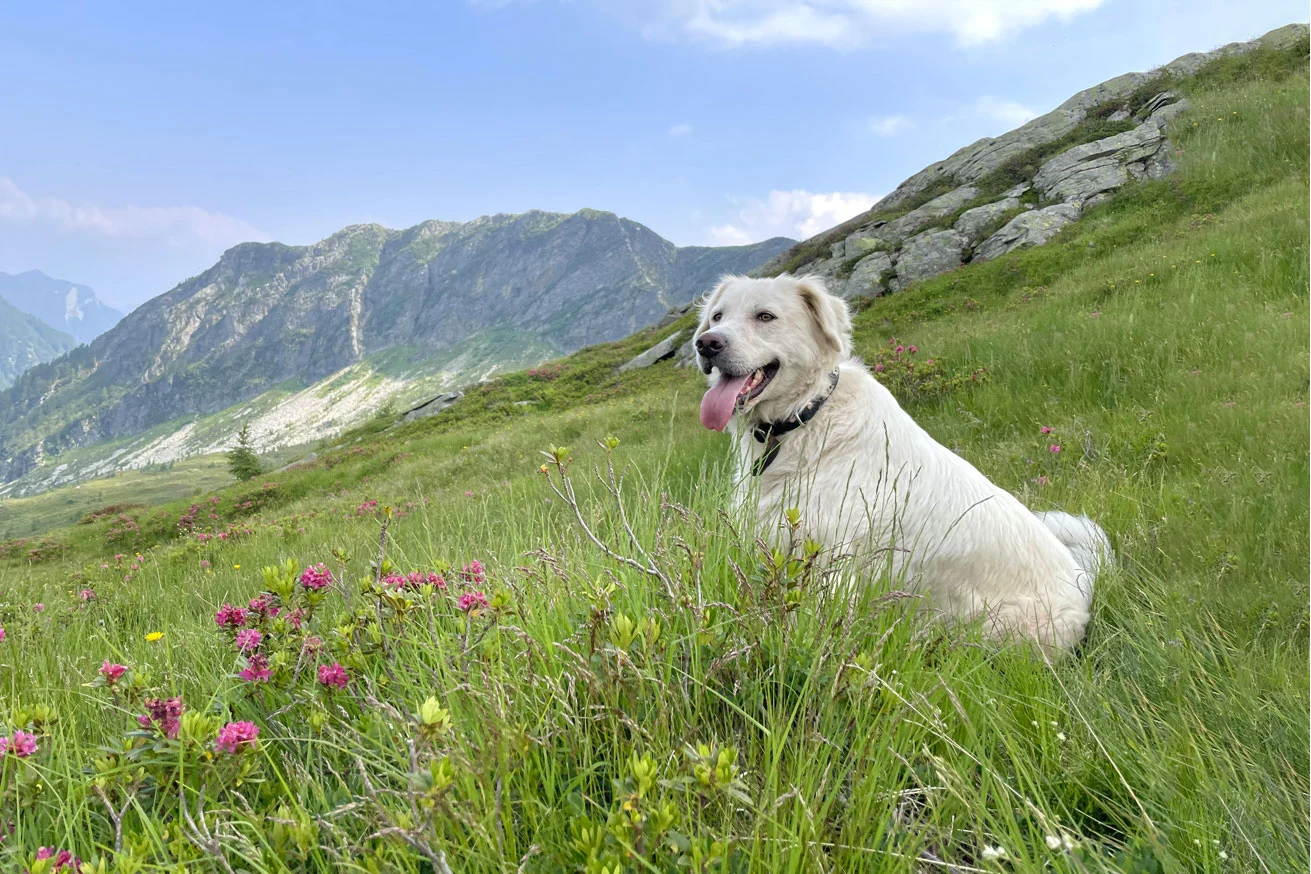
[459,677]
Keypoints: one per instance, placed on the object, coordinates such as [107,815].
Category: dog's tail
[1084,538]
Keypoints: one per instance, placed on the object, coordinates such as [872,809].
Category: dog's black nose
[710,345]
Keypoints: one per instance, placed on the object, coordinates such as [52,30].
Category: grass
[159,484]
[770,723]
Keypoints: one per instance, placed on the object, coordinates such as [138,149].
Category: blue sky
[143,139]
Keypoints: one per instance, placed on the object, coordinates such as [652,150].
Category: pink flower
[394,581]
[234,735]
[2,633]
[1054,448]
[471,600]
[39,608]
[468,494]
[165,714]
[20,744]
[230,617]
[433,580]
[204,563]
[316,577]
[333,675]
[249,639]
[87,595]
[901,349]
[878,368]
[1047,430]
[930,361]
[63,859]
[295,618]
[261,603]
[111,672]
[911,349]
[256,670]
[474,572]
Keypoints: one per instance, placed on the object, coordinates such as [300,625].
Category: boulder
[685,356]
[433,406]
[860,243]
[659,352]
[929,254]
[1084,171]
[869,278]
[1027,229]
[973,222]
[921,217]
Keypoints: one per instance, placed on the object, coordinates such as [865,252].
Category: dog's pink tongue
[717,406]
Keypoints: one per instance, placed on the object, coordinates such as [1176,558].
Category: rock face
[972,222]
[1088,170]
[66,306]
[433,407]
[268,313]
[1027,229]
[929,254]
[897,242]
[659,352]
[25,341]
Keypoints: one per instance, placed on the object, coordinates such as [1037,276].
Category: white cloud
[176,225]
[890,125]
[1005,111]
[840,23]
[680,130]
[798,214]
[1003,114]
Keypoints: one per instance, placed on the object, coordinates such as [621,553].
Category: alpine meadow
[527,634]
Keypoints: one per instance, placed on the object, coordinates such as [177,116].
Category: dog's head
[768,345]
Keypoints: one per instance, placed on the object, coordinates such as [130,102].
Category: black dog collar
[770,432]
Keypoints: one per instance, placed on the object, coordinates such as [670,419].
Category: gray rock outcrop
[1027,229]
[929,254]
[973,222]
[659,352]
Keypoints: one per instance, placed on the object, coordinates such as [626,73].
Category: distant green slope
[26,340]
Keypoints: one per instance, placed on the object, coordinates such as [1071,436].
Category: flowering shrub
[911,377]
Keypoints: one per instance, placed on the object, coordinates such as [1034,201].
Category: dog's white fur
[870,482]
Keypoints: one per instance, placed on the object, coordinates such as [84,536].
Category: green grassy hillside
[668,697]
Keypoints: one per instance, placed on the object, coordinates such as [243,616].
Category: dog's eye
[716,317]
[765,317]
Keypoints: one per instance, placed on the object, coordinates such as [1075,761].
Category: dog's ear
[829,314]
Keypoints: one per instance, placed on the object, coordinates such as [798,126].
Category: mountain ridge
[266,313]
[71,307]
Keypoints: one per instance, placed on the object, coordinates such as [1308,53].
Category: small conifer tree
[242,461]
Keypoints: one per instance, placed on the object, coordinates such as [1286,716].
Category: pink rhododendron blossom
[63,859]
[316,577]
[230,617]
[249,639]
[1047,430]
[911,349]
[470,600]
[474,572]
[20,744]
[256,670]
[111,672]
[1054,448]
[165,714]
[233,736]
[295,618]
[333,675]
[38,608]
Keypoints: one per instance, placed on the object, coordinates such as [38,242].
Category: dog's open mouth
[732,393]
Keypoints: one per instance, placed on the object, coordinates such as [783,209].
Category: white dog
[816,431]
